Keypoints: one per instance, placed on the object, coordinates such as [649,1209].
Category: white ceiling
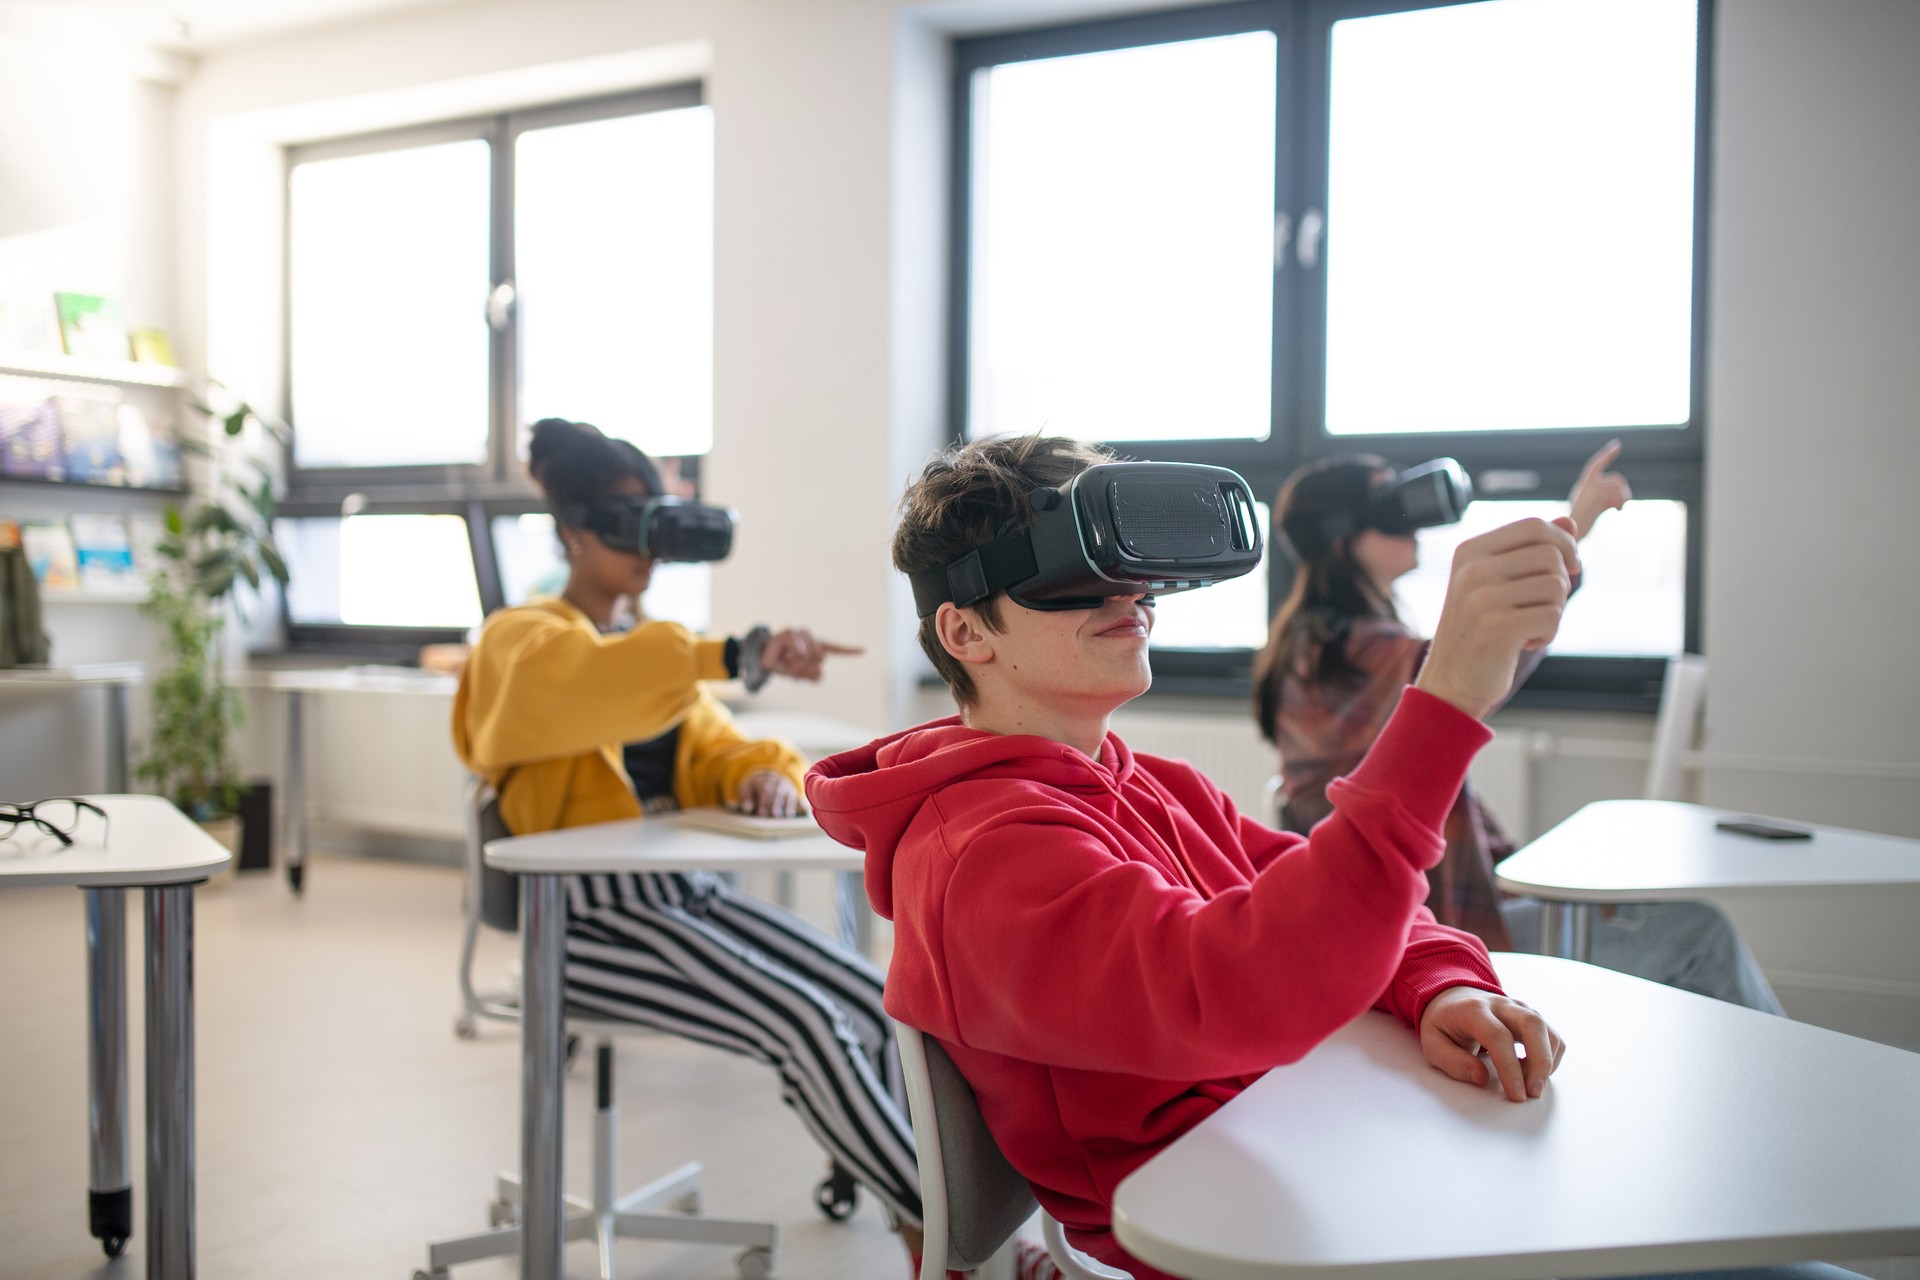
[190,26]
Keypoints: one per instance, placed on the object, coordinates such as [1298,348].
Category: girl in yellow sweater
[572,722]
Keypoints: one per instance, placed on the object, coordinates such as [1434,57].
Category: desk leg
[170,1173]
[542,1030]
[295,856]
[1566,930]
[109,1172]
[116,738]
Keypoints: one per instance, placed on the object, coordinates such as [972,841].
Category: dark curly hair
[576,463]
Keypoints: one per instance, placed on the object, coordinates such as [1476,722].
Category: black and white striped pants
[686,953]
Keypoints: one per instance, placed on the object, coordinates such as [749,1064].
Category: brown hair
[965,498]
[1308,637]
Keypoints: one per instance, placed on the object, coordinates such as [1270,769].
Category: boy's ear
[962,634]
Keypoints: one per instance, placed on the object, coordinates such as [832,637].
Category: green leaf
[270,556]
[250,572]
[174,524]
[236,422]
[213,517]
[216,583]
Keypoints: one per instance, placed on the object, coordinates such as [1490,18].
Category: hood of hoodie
[867,798]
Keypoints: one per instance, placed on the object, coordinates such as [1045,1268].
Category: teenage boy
[1105,947]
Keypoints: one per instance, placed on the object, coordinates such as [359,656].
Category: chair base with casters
[668,1208]
[972,1201]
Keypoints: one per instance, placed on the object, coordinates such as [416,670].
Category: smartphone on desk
[1762,829]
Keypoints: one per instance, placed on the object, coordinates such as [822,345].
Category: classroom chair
[668,1208]
[1683,695]
[972,1201]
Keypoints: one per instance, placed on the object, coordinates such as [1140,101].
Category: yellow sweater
[546,702]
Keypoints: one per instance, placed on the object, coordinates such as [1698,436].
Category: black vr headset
[666,528]
[1115,529]
[1433,493]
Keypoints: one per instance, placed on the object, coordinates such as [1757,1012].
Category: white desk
[1658,850]
[403,682]
[153,846]
[1680,1133]
[111,678]
[813,735]
[641,845]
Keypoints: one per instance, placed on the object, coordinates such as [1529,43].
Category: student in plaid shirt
[1335,663]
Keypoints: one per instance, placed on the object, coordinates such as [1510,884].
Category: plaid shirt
[1324,731]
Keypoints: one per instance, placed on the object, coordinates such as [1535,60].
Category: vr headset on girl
[664,528]
[1423,497]
[1117,528]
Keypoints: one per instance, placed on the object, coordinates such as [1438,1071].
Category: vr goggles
[1433,493]
[664,528]
[1116,529]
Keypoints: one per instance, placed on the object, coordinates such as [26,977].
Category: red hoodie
[1110,951]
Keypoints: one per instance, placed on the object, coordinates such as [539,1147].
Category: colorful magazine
[49,547]
[29,431]
[90,435]
[91,327]
[103,552]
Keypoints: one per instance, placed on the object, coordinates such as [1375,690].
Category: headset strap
[976,575]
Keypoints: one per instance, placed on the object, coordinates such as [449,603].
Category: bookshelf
[118,373]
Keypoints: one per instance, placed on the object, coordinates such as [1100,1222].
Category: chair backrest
[1682,695]
[972,1199]
[496,892]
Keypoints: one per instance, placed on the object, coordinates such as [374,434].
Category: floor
[341,1123]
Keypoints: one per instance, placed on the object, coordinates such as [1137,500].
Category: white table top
[1679,1133]
[1647,850]
[91,673]
[148,842]
[397,680]
[662,844]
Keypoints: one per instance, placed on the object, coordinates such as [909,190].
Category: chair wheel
[464,1028]
[837,1195]
[113,1245]
[753,1264]
[500,1214]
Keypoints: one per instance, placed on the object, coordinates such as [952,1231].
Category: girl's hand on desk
[1462,1021]
[770,795]
[798,653]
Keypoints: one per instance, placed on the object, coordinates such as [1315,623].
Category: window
[1261,233]
[447,287]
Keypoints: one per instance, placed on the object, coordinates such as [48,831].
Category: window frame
[476,492]
[1662,462]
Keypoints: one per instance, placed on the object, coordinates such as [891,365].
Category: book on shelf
[29,325]
[29,431]
[150,346]
[145,529]
[50,553]
[103,553]
[90,434]
[149,450]
[91,327]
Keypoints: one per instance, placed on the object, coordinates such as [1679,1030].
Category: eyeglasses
[59,817]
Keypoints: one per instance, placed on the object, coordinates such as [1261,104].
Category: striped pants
[685,953]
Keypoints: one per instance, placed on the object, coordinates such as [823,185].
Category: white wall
[86,204]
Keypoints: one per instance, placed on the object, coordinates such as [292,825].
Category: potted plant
[220,540]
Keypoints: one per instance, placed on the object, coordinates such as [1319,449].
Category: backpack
[23,641]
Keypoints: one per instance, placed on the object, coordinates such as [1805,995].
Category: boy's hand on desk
[770,795]
[1462,1021]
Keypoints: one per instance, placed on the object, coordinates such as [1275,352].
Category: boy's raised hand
[1461,1022]
[1505,595]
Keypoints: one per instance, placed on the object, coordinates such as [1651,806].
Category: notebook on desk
[748,824]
